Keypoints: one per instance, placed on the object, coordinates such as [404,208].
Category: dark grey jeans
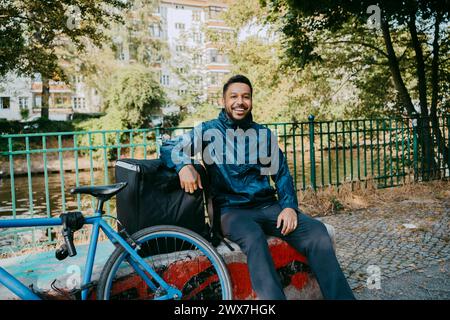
[249,227]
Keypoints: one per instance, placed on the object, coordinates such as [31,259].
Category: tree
[127,42]
[32,30]
[282,92]
[413,39]
[134,94]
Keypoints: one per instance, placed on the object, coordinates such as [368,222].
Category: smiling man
[250,208]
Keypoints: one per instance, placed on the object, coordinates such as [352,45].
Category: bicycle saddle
[102,192]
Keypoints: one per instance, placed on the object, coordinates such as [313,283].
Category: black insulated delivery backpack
[154,197]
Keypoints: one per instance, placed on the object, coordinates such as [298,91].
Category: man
[241,189]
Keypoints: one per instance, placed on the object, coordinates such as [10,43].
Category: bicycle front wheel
[182,258]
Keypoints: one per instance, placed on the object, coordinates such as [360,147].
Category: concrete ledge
[297,278]
[292,267]
[41,269]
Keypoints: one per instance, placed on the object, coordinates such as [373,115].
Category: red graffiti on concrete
[194,277]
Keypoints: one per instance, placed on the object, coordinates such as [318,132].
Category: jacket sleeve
[287,197]
[178,152]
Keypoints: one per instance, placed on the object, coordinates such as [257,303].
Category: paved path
[405,248]
[430,283]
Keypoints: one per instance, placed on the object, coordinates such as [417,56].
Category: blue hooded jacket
[235,184]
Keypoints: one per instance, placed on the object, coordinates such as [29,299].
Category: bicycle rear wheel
[181,257]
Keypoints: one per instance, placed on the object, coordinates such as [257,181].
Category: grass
[347,198]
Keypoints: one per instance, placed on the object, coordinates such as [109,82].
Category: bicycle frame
[23,292]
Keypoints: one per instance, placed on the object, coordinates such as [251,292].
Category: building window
[213,79]
[181,70]
[4,102]
[179,26]
[37,101]
[197,37]
[179,7]
[164,80]
[155,30]
[180,48]
[197,58]
[23,102]
[216,57]
[223,58]
[59,101]
[214,12]
[213,56]
[198,80]
[182,92]
[120,52]
[78,103]
[195,15]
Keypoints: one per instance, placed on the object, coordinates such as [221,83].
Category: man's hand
[289,219]
[189,178]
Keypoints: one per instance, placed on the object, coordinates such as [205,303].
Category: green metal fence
[38,170]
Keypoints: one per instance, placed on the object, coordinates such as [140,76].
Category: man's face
[238,101]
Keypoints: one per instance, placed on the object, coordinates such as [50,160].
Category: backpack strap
[212,211]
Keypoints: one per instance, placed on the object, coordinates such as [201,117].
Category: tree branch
[364,44]
[403,54]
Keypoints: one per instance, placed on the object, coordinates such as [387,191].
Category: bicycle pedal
[76,293]
[160,292]
[88,285]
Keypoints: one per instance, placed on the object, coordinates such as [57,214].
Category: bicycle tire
[147,238]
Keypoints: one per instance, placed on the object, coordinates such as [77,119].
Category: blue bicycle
[160,263]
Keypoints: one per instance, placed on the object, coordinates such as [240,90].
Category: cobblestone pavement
[375,237]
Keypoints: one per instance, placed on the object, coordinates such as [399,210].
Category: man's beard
[237,121]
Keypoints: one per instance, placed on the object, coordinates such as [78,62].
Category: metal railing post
[415,149]
[311,152]
[158,140]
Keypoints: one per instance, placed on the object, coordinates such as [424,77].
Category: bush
[37,126]
[24,113]
[80,117]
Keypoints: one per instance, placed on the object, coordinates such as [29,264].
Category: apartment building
[20,93]
[195,65]
[194,68]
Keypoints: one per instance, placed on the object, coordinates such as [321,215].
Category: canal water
[55,193]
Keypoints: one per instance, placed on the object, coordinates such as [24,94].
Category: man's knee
[252,241]
[319,236]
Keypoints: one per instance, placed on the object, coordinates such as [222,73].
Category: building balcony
[55,87]
[218,67]
[220,24]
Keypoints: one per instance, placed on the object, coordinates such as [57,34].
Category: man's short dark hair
[237,79]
